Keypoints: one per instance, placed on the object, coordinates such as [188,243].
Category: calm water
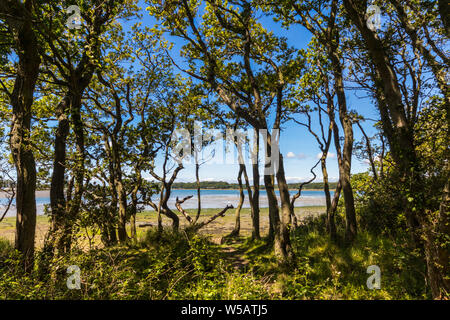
[210,199]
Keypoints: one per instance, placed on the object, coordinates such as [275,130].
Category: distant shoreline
[211,198]
[39,194]
[46,193]
[244,189]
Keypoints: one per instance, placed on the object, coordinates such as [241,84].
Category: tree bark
[21,99]
[121,192]
[112,213]
[255,198]
[444,12]
[166,195]
[134,204]
[331,224]
[121,230]
[437,249]
[344,158]
[78,171]
[237,219]
[286,213]
[57,199]
[197,179]
[280,237]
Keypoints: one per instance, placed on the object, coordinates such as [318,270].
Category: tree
[19,20]
[321,19]
[314,88]
[71,62]
[399,119]
[248,87]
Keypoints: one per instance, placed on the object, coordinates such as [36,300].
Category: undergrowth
[182,266]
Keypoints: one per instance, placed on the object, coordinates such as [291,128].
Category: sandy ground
[39,194]
[216,230]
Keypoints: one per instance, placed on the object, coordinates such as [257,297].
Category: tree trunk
[21,101]
[286,213]
[172,215]
[78,171]
[437,249]
[112,213]
[133,227]
[121,230]
[333,208]
[331,224]
[274,218]
[134,204]
[121,192]
[280,233]
[237,220]
[168,212]
[57,198]
[444,12]
[344,182]
[255,198]
[197,179]
[160,226]
[344,158]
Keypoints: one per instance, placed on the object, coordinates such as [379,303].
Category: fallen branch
[194,226]
[198,226]
[143,225]
[185,214]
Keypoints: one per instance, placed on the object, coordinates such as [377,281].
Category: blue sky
[298,146]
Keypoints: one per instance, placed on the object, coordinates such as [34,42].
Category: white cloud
[290,154]
[330,155]
[294,179]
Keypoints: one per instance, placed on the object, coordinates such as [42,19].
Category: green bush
[182,266]
[5,248]
[326,270]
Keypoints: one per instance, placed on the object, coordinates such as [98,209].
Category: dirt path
[235,257]
[231,253]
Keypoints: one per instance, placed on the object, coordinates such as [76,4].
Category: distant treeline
[212,185]
[226,185]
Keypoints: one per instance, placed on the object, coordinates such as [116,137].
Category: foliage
[101,110]
[179,266]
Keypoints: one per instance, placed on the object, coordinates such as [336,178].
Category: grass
[181,266]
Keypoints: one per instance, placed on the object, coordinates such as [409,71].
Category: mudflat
[39,194]
[216,230]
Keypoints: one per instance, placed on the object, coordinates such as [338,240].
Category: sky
[299,148]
